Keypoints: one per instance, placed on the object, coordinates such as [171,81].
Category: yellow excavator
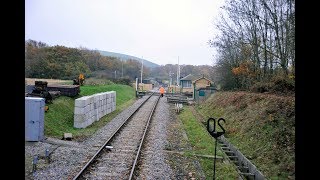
[79,81]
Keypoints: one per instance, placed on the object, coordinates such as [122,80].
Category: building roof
[189,77]
[202,78]
[192,78]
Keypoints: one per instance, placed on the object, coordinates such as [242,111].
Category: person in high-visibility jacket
[161,90]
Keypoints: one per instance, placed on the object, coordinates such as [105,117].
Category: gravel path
[162,158]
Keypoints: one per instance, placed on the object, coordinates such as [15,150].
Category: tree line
[256,44]
[60,62]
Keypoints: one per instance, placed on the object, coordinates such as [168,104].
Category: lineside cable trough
[245,168]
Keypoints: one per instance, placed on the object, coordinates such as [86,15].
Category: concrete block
[87,109]
[85,124]
[80,102]
[88,116]
[83,101]
[79,110]
[101,96]
[90,121]
[79,124]
[91,114]
[67,136]
[104,95]
[89,100]
[93,119]
[79,118]
[96,98]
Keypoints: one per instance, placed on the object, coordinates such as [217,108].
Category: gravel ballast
[159,158]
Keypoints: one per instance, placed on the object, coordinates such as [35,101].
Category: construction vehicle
[79,80]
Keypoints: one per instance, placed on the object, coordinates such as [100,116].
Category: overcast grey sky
[157,30]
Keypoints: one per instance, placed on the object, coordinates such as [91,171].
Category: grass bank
[261,126]
[203,145]
[59,119]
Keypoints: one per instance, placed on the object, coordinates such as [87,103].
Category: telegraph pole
[141,68]
[178,73]
[136,87]
[122,68]
[171,74]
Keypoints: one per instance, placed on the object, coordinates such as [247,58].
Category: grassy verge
[203,144]
[261,126]
[59,119]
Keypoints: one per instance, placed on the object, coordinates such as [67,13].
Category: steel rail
[142,140]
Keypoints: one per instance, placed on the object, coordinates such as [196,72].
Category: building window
[186,84]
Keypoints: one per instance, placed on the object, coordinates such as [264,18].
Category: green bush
[124,81]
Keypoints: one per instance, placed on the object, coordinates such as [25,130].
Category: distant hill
[126,57]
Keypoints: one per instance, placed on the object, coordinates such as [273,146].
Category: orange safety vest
[161,90]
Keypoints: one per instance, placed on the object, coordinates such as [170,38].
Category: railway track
[118,156]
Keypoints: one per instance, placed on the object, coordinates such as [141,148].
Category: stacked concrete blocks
[89,109]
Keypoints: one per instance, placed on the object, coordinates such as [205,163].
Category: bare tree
[256,39]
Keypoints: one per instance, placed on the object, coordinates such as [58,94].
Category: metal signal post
[211,127]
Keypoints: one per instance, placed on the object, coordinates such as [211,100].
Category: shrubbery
[277,85]
[124,81]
